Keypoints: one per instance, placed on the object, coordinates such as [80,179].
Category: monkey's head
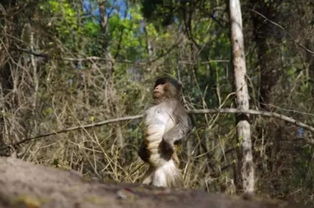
[165,88]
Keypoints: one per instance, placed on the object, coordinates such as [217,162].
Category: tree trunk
[266,37]
[242,97]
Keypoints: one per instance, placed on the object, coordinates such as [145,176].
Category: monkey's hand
[179,131]
[165,149]
[182,126]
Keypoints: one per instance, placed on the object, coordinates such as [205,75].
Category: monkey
[166,124]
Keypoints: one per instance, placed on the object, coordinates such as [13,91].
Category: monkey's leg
[143,152]
[167,175]
[165,150]
[148,178]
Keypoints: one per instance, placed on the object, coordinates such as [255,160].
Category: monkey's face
[164,91]
[166,88]
[159,91]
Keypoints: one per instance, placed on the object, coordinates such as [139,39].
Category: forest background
[67,63]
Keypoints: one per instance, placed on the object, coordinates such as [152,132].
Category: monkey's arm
[181,129]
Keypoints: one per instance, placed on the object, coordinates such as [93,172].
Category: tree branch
[101,123]
[194,111]
[284,29]
[256,112]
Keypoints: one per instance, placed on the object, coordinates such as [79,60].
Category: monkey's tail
[167,175]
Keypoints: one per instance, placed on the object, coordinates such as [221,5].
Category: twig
[32,52]
[101,123]
[90,58]
[284,29]
[206,62]
[195,111]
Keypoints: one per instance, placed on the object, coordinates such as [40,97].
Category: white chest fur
[159,120]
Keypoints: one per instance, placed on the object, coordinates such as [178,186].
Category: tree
[242,96]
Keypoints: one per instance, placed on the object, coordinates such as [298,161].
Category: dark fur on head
[173,89]
[163,80]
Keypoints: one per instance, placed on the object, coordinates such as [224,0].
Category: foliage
[62,65]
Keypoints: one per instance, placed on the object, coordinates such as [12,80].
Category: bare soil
[25,185]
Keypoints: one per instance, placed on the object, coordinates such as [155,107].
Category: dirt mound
[23,184]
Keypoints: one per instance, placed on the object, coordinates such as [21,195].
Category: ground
[23,184]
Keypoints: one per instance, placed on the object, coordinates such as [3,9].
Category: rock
[23,184]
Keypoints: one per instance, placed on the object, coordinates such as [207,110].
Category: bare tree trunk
[242,96]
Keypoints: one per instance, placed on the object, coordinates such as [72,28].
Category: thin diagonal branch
[101,123]
[284,29]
